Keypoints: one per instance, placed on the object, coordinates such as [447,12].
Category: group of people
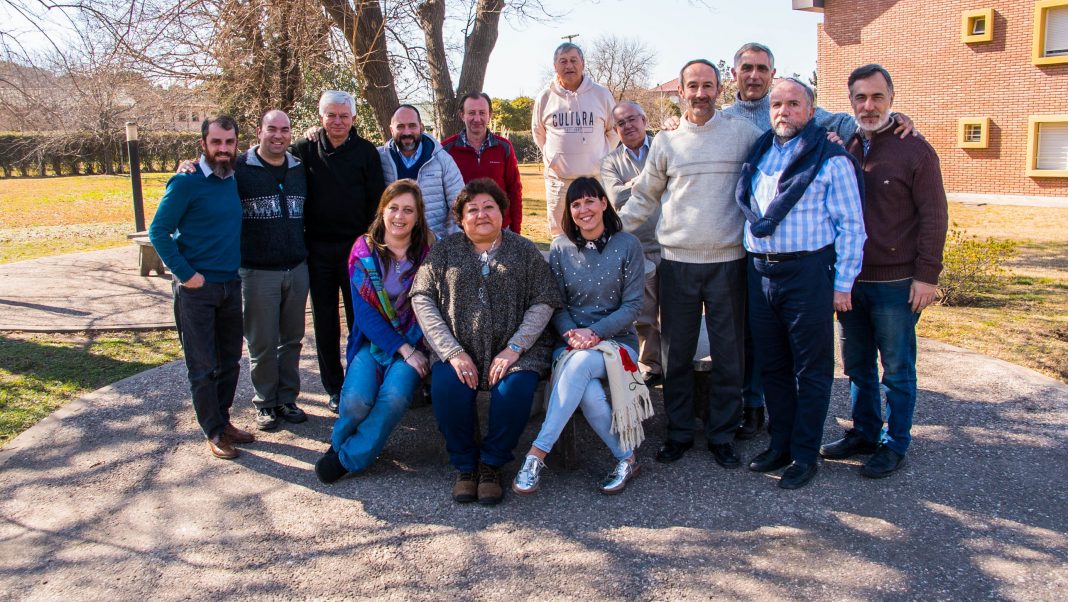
[766,217]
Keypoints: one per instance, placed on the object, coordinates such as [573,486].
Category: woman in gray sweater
[600,271]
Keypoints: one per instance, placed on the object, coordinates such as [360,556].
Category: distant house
[985,82]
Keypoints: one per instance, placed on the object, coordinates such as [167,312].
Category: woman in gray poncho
[483,298]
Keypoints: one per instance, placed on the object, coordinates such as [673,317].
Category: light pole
[135,175]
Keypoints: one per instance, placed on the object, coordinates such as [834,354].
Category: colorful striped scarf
[365,273]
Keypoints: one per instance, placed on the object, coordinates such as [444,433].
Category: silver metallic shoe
[616,481]
[526,480]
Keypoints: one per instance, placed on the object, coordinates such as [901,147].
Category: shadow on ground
[117,497]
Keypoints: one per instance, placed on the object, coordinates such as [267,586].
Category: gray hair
[754,47]
[630,103]
[336,97]
[866,71]
[566,46]
[808,91]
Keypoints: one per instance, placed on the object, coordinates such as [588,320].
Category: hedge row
[77,153]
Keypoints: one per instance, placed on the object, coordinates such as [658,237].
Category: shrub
[525,149]
[971,267]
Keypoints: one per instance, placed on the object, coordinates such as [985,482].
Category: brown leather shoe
[237,435]
[221,447]
[465,489]
[490,491]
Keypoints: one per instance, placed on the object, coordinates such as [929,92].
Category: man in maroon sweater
[905,216]
[481,154]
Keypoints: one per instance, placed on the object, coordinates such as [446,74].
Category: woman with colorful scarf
[386,352]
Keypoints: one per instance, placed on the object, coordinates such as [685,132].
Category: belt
[780,257]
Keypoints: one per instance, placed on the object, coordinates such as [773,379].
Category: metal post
[135,175]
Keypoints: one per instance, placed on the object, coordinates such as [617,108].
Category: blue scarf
[813,150]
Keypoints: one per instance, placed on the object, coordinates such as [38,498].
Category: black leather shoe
[724,455]
[329,468]
[752,423]
[884,463]
[852,444]
[291,413]
[769,460]
[334,403]
[672,450]
[797,475]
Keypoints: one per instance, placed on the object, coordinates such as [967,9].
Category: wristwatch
[515,348]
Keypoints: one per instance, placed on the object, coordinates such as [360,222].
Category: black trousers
[717,289]
[328,273]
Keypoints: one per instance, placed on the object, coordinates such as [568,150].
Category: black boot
[752,423]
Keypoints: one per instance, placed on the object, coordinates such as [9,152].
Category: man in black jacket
[274,273]
[345,183]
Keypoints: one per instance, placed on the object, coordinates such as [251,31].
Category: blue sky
[676,29]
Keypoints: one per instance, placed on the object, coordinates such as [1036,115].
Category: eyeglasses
[629,120]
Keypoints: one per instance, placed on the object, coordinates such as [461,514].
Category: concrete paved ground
[116,497]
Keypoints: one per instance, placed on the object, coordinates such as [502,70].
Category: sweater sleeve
[534,321]
[513,187]
[620,320]
[562,320]
[929,196]
[537,127]
[842,124]
[618,191]
[435,329]
[172,207]
[374,326]
[647,188]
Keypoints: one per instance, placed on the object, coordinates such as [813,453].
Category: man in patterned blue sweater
[196,232]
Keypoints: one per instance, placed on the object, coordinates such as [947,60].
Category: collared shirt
[828,212]
[639,155]
[481,147]
[205,168]
[410,161]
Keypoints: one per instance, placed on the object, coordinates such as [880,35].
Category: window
[973,132]
[1050,45]
[1047,146]
[977,26]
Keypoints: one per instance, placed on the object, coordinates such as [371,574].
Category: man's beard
[786,131]
[407,143]
[865,128]
[222,169]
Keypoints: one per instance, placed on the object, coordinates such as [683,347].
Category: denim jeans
[209,327]
[455,411]
[579,385]
[881,326]
[274,308]
[373,401]
[792,316]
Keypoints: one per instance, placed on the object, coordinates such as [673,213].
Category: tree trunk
[431,15]
[477,48]
[364,29]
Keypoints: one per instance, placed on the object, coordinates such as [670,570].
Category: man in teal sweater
[197,233]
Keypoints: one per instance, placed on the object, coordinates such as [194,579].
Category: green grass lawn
[41,372]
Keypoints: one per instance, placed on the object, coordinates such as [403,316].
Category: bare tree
[623,65]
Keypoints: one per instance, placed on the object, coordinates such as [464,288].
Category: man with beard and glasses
[413,154]
[197,232]
[906,218]
[804,231]
[690,175]
[344,184]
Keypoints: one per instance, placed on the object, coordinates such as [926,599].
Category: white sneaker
[526,480]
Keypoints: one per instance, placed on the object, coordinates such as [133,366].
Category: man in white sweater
[691,174]
[572,125]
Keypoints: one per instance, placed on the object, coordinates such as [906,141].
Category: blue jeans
[792,317]
[209,327]
[579,384]
[455,410]
[881,326]
[373,401]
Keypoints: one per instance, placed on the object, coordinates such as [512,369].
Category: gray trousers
[274,316]
[687,289]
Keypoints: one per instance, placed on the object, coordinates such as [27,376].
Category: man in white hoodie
[572,125]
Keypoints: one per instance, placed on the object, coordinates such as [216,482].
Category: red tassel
[628,364]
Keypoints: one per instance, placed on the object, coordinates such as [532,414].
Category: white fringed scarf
[631,403]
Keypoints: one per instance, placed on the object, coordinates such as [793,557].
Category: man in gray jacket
[618,170]
[414,154]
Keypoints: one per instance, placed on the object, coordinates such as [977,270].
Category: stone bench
[148,259]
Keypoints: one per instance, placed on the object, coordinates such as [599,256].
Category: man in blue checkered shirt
[805,238]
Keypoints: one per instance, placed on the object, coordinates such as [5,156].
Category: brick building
[985,81]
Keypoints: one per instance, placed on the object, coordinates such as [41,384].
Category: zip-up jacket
[438,178]
[498,163]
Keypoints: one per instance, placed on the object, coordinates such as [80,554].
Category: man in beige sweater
[691,174]
[572,125]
